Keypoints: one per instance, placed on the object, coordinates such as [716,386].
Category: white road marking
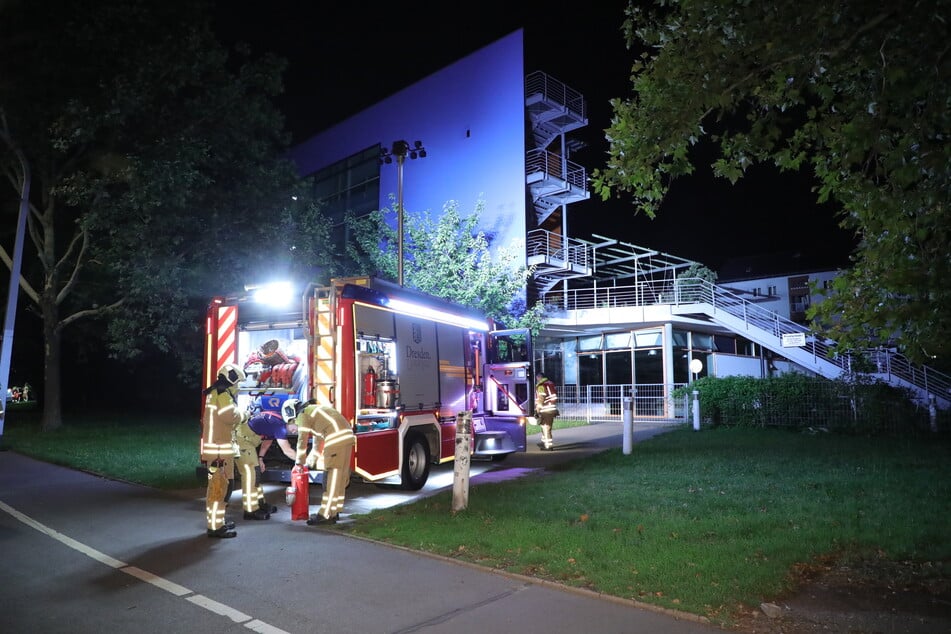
[164,584]
[158,582]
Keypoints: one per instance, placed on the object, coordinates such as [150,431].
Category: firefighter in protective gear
[546,408]
[255,506]
[325,423]
[219,420]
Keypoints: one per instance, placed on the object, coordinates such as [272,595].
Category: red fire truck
[398,364]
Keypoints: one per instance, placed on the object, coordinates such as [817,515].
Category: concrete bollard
[460,473]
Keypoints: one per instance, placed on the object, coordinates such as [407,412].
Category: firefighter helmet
[289,409]
[231,373]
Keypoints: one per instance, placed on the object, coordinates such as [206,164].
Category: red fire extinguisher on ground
[369,388]
[298,494]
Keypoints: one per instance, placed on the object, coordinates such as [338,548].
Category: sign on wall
[794,339]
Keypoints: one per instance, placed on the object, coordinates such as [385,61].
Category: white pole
[9,320]
[628,423]
[696,410]
[400,157]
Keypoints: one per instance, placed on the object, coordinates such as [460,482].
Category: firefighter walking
[546,409]
[219,420]
[325,423]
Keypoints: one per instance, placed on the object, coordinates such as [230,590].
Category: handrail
[696,291]
[555,91]
[552,164]
[540,242]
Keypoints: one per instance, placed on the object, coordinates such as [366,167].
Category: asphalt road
[85,554]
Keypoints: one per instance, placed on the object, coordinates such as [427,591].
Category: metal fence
[829,406]
[603,403]
[832,405]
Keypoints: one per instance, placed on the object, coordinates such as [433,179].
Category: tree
[856,93]
[450,258]
[156,164]
[688,282]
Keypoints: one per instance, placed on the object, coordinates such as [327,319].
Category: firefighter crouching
[255,506]
[323,422]
[220,418]
[546,408]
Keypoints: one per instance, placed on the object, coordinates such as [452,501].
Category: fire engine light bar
[275,293]
[438,315]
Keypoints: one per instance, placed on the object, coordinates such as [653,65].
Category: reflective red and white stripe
[226,336]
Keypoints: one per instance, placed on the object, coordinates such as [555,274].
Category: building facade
[624,320]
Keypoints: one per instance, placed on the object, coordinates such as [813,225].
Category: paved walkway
[86,554]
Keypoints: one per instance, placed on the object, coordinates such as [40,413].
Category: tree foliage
[448,257]
[857,93]
[157,167]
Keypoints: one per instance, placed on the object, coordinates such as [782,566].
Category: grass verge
[708,523]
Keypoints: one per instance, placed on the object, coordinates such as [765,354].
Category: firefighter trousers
[252,493]
[336,478]
[220,478]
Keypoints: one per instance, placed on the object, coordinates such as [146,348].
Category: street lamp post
[9,320]
[401,149]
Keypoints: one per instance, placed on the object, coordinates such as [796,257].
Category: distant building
[622,315]
[780,282]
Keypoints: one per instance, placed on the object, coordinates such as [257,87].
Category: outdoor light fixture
[400,150]
[274,293]
[435,314]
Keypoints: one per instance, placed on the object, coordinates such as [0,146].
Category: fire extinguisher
[369,388]
[298,494]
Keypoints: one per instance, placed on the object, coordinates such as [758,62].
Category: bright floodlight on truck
[273,293]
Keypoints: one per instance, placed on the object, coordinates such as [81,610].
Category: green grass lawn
[700,522]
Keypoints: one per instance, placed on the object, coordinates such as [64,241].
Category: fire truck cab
[398,364]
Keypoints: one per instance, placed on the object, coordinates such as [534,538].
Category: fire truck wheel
[415,463]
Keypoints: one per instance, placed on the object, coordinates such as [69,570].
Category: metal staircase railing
[549,165]
[769,329]
[556,258]
[553,107]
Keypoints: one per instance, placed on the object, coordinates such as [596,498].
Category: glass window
[725,344]
[745,347]
[702,341]
[648,367]
[571,362]
[648,338]
[618,340]
[681,366]
[589,343]
[589,367]
[351,184]
[617,368]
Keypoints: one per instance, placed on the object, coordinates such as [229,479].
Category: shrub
[799,401]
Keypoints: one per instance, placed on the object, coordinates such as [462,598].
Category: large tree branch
[89,312]
[765,70]
[81,237]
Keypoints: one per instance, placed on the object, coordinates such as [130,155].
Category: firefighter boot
[267,508]
[259,514]
[318,520]
[223,532]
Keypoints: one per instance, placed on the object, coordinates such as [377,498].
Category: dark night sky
[347,56]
